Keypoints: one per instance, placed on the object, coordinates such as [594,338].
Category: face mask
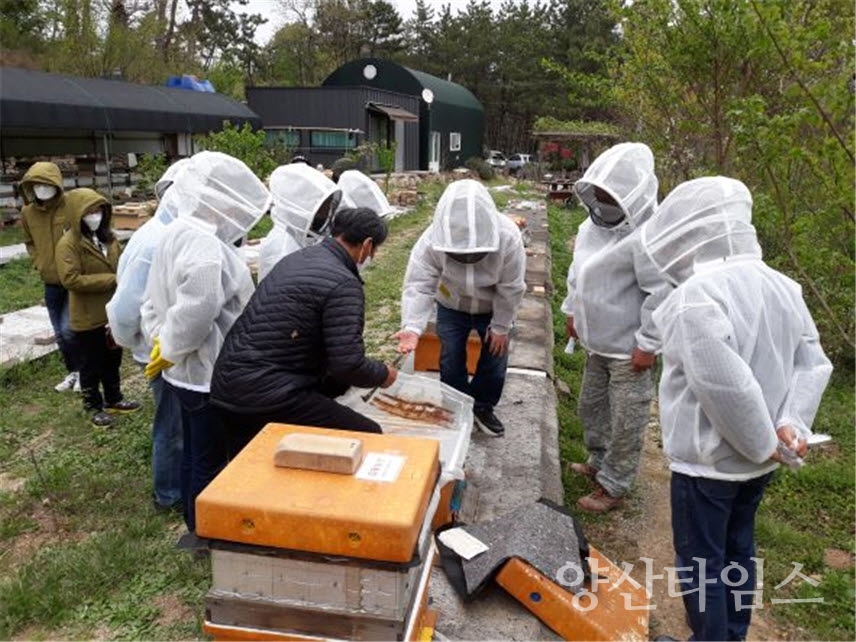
[44,192]
[93,221]
[602,214]
[365,262]
[467,258]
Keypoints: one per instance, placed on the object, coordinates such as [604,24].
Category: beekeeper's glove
[156,362]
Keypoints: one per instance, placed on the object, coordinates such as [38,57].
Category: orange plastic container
[253,502]
[609,619]
[427,353]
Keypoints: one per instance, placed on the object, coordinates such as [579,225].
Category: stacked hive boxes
[305,554]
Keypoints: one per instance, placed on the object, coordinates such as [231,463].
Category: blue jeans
[56,301]
[167,441]
[204,447]
[453,330]
[714,520]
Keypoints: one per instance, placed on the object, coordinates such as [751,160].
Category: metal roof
[35,99]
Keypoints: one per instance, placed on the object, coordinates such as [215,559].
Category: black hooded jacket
[303,325]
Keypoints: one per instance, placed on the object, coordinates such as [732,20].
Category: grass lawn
[83,554]
[20,286]
[806,516]
[11,234]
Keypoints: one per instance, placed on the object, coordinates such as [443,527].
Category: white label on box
[379,467]
[462,543]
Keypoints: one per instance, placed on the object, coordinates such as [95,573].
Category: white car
[518,161]
[496,159]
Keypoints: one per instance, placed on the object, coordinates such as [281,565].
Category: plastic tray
[454,440]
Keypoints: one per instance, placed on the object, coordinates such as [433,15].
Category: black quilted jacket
[304,324]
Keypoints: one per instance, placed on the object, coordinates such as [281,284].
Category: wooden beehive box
[376,514]
[131,216]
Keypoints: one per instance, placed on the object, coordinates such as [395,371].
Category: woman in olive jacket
[86,257]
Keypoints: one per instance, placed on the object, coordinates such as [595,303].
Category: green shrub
[481,167]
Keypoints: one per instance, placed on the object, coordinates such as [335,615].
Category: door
[399,145]
[434,156]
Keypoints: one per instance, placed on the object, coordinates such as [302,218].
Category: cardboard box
[375,514]
[572,616]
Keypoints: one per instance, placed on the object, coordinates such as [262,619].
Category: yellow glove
[156,362]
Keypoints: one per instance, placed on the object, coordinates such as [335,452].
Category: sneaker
[586,470]
[599,502]
[102,419]
[71,382]
[122,407]
[489,423]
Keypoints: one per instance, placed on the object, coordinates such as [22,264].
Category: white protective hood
[298,193]
[220,194]
[364,192]
[466,220]
[626,172]
[170,176]
[700,221]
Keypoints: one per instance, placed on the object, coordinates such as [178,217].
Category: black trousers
[306,408]
[99,364]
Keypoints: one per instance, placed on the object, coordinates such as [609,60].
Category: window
[284,137]
[455,142]
[340,140]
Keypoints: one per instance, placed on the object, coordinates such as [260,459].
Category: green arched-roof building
[451,125]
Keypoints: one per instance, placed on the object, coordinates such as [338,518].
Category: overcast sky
[270,9]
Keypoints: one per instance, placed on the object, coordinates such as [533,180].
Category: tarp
[35,99]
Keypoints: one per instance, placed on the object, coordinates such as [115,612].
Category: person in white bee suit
[198,285]
[123,314]
[612,290]
[471,263]
[743,376]
[364,192]
[303,203]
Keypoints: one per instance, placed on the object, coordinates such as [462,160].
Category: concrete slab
[532,345]
[24,334]
[504,474]
[12,252]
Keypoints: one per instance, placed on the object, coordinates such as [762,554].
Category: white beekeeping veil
[625,172]
[466,220]
[299,192]
[170,176]
[364,192]
[222,192]
[702,220]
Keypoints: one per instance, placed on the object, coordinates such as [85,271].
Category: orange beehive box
[427,353]
[375,514]
[614,617]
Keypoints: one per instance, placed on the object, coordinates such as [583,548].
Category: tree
[761,91]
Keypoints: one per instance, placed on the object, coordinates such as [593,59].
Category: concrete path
[12,252]
[518,469]
[24,335]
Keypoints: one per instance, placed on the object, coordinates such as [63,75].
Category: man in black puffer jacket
[299,341]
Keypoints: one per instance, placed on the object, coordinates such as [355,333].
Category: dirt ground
[643,529]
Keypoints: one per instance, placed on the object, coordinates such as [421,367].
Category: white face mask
[44,192]
[93,221]
[365,263]
[362,266]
